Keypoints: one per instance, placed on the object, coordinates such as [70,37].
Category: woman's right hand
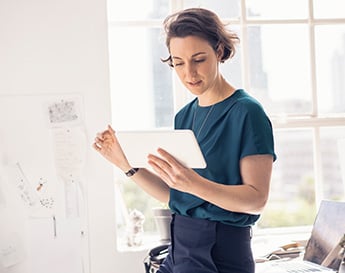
[109,147]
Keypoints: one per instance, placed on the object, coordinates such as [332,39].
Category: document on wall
[70,150]
[65,112]
[69,142]
[70,153]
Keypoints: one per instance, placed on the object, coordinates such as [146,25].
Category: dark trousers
[203,246]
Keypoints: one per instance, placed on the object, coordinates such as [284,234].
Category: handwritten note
[70,153]
[70,149]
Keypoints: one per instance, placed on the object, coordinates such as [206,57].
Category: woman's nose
[191,71]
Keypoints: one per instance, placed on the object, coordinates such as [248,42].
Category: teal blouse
[227,131]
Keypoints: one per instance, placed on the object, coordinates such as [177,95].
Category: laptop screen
[328,229]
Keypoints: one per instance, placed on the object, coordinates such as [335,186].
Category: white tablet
[181,144]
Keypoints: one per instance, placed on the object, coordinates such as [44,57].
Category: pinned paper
[70,153]
[64,112]
[70,150]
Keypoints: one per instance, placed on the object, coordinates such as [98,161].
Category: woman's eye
[199,60]
[178,64]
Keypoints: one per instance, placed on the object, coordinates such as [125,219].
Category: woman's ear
[220,52]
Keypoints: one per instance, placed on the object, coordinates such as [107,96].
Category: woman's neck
[218,93]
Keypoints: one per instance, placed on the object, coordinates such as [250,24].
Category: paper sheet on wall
[70,154]
[69,141]
[65,112]
[70,151]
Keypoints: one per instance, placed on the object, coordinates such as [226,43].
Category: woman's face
[196,64]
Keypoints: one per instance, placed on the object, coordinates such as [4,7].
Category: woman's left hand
[172,172]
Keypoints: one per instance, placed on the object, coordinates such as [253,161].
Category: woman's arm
[250,197]
[108,146]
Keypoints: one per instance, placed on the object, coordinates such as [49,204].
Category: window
[291,58]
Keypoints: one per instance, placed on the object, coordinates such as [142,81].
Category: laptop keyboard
[300,267]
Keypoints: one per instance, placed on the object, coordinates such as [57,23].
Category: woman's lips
[195,83]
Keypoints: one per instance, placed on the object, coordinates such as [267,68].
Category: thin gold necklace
[204,121]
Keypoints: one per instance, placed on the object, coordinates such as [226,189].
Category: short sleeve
[256,135]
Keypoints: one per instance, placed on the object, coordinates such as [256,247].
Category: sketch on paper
[39,201]
[45,195]
[64,112]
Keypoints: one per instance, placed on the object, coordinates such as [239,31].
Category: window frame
[314,120]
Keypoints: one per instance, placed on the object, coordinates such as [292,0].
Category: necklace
[204,121]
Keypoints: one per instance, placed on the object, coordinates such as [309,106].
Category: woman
[214,208]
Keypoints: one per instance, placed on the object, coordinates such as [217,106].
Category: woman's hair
[204,24]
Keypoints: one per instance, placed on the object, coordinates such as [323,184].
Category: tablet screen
[181,144]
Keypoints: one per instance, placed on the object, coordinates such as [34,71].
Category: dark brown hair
[204,24]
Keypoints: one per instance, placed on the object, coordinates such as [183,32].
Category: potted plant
[162,217]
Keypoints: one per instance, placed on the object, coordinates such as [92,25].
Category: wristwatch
[131,172]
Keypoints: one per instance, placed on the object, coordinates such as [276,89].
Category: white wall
[60,47]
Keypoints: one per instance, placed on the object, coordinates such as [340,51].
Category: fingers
[111,129]
[168,158]
[161,168]
[105,135]
[96,147]
[102,138]
[157,162]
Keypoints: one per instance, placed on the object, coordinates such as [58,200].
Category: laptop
[181,144]
[328,230]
